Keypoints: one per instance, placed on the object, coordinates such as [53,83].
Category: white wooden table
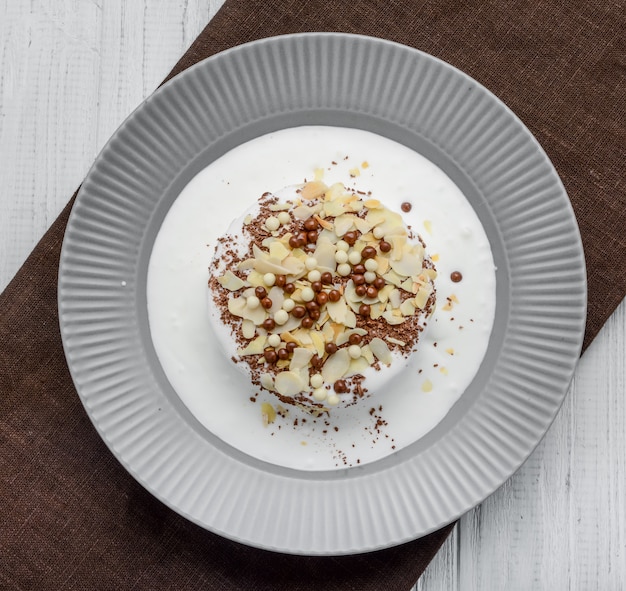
[71,71]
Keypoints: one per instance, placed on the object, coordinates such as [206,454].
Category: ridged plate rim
[306,76]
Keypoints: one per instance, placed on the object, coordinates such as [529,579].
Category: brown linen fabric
[74,519]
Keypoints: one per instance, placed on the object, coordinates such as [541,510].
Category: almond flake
[230,281]
[336,366]
[288,383]
[380,350]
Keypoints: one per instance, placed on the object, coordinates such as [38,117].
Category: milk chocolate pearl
[379,283]
[355,339]
[330,348]
[360,290]
[327,278]
[289,288]
[358,279]
[294,242]
[406,207]
[299,312]
[280,281]
[456,276]
[316,361]
[307,322]
[270,355]
[283,354]
[260,292]
[321,298]
[384,246]
[303,238]
[315,314]
[313,305]
[371,291]
[340,386]
[368,252]
[269,324]
[350,238]
[316,286]
[364,310]
[311,237]
[266,303]
[310,224]
[334,295]
[359,269]
[291,347]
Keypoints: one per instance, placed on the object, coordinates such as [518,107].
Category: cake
[320,294]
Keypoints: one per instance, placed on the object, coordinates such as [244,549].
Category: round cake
[320,294]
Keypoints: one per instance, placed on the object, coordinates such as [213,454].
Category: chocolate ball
[371,291]
[360,290]
[350,238]
[269,324]
[379,283]
[270,355]
[280,281]
[283,354]
[289,288]
[384,246]
[369,252]
[299,311]
[327,278]
[321,298]
[266,303]
[334,295]
[340,387]
[291,347]
[310,224]
[355,339]
[313,305]
[311,237]
[294,242]
[359,269]
[260,292]
[307,322]
[364,310]
[358,279]
[316,286]
[330,348]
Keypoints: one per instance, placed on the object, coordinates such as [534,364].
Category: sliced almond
[254,347]
[380,350]
[336,366]
[313,190]
[288,383]
[230,281]
[300,358]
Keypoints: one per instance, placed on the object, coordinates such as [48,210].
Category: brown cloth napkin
[71,516]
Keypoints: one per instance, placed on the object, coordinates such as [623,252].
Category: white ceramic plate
[349,81]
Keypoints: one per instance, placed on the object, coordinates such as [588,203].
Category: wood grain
[71,71]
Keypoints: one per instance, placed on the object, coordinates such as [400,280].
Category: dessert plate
[346,81]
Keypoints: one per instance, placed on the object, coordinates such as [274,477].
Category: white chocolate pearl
[314,275]
[378,232]
[252,302]
[273,340]
[342,245]
[310,263]
[269,279]
[354,257]
[317,381]
[370,276]
[272,223]
[354,351]
[333,400]
[307,294]
[344,269]
[284,218]
[288,304]
[281,317]
[371,264]
[320,394]
[341,256]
